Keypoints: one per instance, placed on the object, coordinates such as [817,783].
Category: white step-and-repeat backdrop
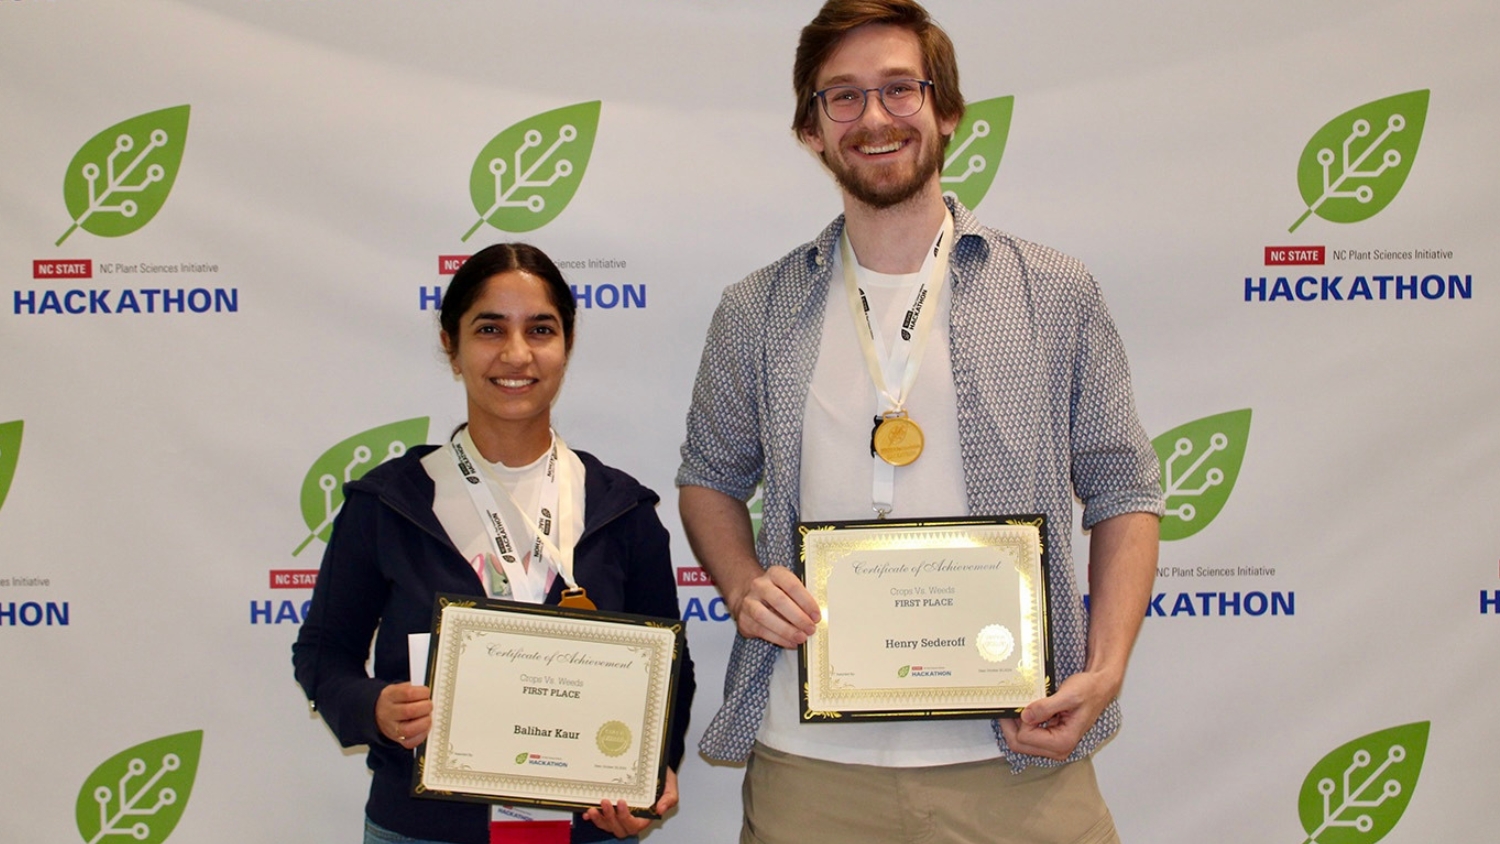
[227,223]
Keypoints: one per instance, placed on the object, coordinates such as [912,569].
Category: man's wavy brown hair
[837,18]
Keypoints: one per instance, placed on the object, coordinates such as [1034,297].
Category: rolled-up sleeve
[1114,467]
[723,447]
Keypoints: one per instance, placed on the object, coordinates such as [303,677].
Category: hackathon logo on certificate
[925,619]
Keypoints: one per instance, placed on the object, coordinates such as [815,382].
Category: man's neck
[894,240]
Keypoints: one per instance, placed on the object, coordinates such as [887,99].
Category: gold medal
[897,439]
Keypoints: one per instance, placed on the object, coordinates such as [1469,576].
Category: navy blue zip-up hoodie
[387,559]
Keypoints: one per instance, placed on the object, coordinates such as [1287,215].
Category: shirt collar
[822,250]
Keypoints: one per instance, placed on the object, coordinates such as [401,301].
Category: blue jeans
[377,834]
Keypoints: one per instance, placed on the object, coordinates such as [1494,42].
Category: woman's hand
[403,713]
[617,819]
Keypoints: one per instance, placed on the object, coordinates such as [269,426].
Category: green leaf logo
[974,155]
[903,671]
[755,505]
[141,792]
[1200,462]
[1358,792]
[121,177]
[528,173]
[521,758]
[323,488]
[10,451]
[1356,164]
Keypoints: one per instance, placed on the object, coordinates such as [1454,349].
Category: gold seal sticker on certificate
[995,643]
[548,706]
[937,618]
[613,738]
[898,440]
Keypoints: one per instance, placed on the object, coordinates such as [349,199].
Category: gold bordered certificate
[548,706]
[938,618]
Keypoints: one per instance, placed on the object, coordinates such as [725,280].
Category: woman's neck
[514,446]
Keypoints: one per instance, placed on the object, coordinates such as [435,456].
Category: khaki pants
[795,800]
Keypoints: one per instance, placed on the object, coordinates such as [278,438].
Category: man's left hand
[1053,726]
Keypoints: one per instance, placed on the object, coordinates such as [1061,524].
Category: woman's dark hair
[491,261]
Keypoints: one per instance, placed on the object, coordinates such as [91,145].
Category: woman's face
[511,354]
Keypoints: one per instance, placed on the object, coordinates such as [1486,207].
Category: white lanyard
[904,356]
[559,514]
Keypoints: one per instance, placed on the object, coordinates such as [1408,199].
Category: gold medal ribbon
[897,440]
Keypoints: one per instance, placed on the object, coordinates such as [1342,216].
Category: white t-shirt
[837,477]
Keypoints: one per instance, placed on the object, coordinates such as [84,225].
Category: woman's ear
[450,350]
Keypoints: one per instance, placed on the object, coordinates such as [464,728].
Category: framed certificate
[548,706]
[938,618]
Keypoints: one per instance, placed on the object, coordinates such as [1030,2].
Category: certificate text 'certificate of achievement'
[938,618]
[548,706]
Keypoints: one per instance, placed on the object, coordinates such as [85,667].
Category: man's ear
[947,126]
[812,139]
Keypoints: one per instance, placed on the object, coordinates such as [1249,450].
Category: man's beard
[884,193]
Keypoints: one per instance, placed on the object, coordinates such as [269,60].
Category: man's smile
[881,149]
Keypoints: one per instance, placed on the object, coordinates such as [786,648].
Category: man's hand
[776,607]
[1053,726]
[1122,566]
[770,603]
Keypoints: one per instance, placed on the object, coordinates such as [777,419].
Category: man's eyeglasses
[900,97]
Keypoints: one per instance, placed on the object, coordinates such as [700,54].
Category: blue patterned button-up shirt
[1045,412]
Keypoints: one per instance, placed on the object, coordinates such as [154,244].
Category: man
[1020,385]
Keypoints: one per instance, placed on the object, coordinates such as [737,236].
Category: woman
[414,527]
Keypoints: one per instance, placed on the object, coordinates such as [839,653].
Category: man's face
[879,159]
